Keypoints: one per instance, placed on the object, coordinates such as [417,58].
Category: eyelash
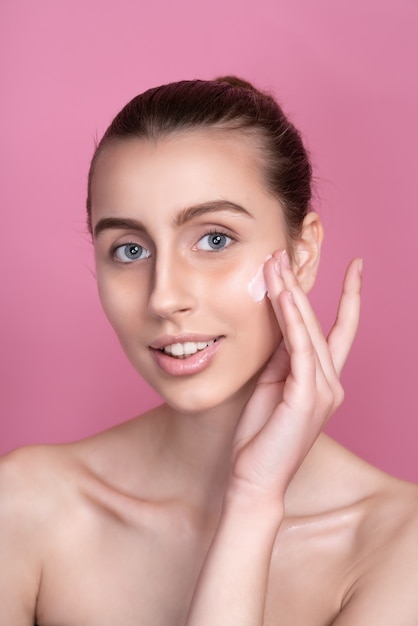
[133,244]
[214,232]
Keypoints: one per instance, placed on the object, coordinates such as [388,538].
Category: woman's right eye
[129,252]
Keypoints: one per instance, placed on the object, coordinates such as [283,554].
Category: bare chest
[104,571]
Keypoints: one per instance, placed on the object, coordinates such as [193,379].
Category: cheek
[246,282]
[244,295]
[118,302]
[257,286]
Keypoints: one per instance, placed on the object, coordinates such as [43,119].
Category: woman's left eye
[129,252]
[214,241]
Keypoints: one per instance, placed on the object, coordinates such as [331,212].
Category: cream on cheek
[257,287]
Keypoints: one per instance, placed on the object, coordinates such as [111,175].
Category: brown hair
[228,103]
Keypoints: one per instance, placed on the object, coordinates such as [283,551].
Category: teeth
[183,350]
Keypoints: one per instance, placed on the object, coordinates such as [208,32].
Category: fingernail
[360,266]
[278,268]
[285,259]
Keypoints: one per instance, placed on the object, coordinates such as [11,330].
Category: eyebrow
[185,216]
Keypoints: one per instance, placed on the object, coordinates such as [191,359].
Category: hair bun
[234,81]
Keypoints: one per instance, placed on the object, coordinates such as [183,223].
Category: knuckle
[325,399]
[328,397]
[339,394]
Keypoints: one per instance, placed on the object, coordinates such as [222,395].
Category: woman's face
[181,227]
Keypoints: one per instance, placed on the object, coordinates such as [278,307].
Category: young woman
[226,505]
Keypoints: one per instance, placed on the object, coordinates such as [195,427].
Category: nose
[172,294]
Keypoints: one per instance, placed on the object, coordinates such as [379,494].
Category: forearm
[232,586]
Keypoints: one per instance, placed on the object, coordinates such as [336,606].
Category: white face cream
[257,287]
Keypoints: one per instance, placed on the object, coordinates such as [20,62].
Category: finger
[276,288]
[312,373]
[342,334]
[278,367]
[290,282]
[306,374]
[334,351]
[305,396]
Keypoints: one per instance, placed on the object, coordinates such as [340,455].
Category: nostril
[171,301]
[172,287]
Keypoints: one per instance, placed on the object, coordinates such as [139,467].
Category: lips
[182,350]
[182,356]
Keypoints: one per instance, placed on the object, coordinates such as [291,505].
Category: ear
[307,250]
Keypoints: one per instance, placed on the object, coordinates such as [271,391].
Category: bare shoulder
[39,487]
[386,580]
[28,497]
[390,523]
[42,489]
[33,483]
[32,467]
[39,480]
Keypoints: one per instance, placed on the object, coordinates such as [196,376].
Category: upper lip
[168,340]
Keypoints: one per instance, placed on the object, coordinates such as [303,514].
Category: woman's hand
[300,387]
[294,397]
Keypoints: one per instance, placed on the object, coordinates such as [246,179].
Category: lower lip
[193,364]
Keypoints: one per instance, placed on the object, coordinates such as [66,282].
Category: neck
[196,449]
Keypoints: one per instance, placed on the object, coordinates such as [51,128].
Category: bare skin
[82,545]
[226,505]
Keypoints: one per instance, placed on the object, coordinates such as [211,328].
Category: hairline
[251,132]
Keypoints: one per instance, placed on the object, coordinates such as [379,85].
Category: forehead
[177,171]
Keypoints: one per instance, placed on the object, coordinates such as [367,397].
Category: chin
[224,385]
[195,398]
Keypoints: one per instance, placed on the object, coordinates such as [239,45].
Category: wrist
[254,506]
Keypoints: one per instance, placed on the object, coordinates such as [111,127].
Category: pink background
[347,74]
